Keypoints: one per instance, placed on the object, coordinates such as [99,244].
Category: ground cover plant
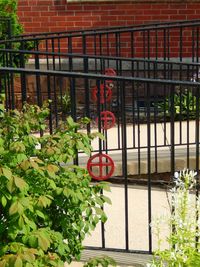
[47,204]
[183,223]
[184,105]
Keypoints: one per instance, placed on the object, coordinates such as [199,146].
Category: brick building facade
[61,15]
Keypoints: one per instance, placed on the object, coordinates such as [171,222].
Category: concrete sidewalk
[137,143]
[138,224]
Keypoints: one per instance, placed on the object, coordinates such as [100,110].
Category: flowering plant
[184,222]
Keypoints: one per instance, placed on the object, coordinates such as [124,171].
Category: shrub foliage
[47,205]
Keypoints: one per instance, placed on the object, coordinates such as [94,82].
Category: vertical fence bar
[124,161]
[149,165]
[99,108]
[38,82]
[197,54]
[23,76]
[181,44]
[86,83]
[197,139]
[188,128]
[50,104]
[172,130]
[197,129]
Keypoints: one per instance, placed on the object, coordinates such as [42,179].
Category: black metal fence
[147,108]
[162,40]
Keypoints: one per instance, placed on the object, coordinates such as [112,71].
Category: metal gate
[139,86]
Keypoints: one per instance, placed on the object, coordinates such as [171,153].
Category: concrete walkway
[137,218]
[137,142]
[138,225]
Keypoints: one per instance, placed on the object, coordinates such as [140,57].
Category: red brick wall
[58,15]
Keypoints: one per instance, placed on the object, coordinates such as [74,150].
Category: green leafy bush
[183,223]
[47,205]
[103,261]
[64,103]
[8,9]
[184,105]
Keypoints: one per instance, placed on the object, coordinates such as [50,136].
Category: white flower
[176,175]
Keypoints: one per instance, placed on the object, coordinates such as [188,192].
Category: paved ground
[138,225]
[138,195]
[138,218]
[137,136]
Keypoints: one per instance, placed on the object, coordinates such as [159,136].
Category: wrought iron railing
[146,103]
[163,40]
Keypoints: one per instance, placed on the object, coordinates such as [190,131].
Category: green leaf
[106,199]
[40,214]
[20,183]
[10,185]
[3,263]
[1,142]
[71,122]
[104,218]
[21,222]
[7,173]
[52,168]
[28,264]
[99,201]
[43,201]
[51,182]
[21,157]
[8,196]
[13,208]
[99,211]
[33,241]
[16,207]
[30,223]
[34,165]
[88,211]
[105,186]
[43,242]
[96,220]
[25,165]
[3,201]
[97,134]
[18,262]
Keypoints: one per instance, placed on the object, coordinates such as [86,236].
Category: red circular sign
[105,93]
[104,166]
[107,120]
[110,72]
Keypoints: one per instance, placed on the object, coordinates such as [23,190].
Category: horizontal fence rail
[170,40]
[160,24]
[122,66]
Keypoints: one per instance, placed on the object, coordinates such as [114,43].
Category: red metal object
[107,120]
[105,93]
[110,72]
[104,164]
